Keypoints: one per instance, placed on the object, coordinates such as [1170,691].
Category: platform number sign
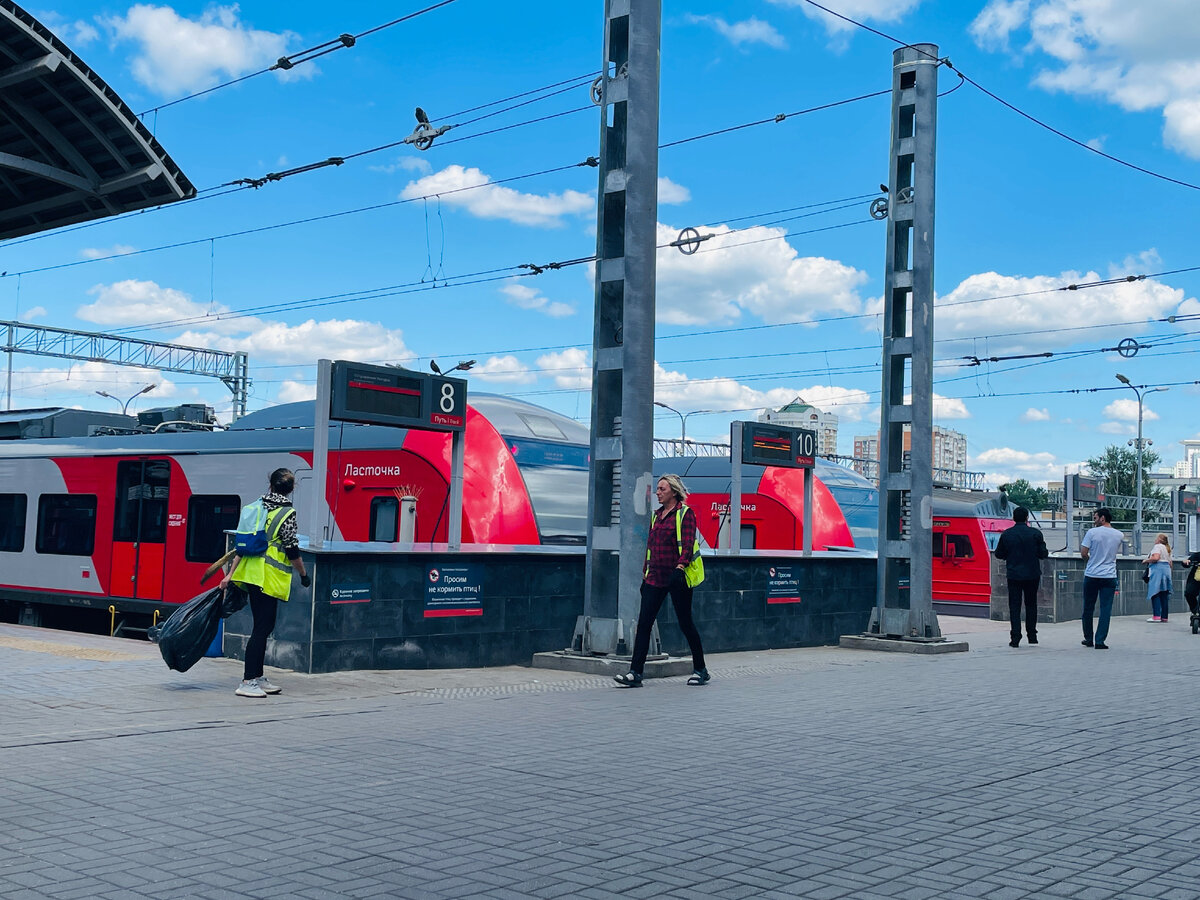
[1189,502]
[1086,489]
[383,395]
[778,445]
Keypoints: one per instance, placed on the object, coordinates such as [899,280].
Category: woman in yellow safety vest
[670,550]
[268,579]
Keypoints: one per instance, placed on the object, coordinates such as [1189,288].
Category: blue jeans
[1161,603]
[1104,588]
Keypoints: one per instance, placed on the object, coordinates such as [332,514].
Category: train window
[12,523]
[540,426]
[937,544]
[749,537]
[385,519]
[66,524]
[208,517]
[958,546]
[143,487]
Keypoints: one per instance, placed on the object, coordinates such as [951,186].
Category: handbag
[1146,574]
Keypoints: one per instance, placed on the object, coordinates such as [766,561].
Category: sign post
[769,445]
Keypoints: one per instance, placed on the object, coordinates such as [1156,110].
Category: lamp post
[125,405]
[683,417]
[1137,525]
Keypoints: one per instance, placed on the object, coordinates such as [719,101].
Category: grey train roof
[287,427]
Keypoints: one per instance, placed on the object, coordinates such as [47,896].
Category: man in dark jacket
[1022,547]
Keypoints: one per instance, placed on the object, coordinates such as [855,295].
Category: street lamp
[683,417]
[125,405]
[1137,525]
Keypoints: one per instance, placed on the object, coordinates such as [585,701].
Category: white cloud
[751,31]
[879,10]
[295,391]
[1004,464]
[77,384]
[76,33]
[949,408]
[405,164]
[670,193]
[103,252]
[678,389]
[179,54]
[1139,56]
[525,297]
[1115,428]
[989,323]
[304,343]
[1097,143]
[493,201]
[34,313]
[1125,410]
[133,302]
[755,271]
[571,369]
[504,370]
[1035,415]
[998,20]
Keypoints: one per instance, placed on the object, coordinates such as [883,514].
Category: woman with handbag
[1158,584]
[670,550]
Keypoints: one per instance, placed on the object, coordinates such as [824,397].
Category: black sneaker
[1086,643]
[1033,639]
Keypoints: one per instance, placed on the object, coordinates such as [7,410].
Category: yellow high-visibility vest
[271,572]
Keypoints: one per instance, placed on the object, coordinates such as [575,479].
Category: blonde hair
[1162,539]
[675,483]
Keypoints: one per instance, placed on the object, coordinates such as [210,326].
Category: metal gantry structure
[232,369]
[620,483]
[906,487]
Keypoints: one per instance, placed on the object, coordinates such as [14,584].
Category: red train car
[132,520]
[966,528]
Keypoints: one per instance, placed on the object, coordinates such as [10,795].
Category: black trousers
[264,608]
[1026,589]
[652,599]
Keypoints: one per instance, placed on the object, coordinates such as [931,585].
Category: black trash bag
[235,598]
[190,630]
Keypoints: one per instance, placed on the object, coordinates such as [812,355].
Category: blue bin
[214,649]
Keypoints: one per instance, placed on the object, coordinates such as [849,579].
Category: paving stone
[527,783]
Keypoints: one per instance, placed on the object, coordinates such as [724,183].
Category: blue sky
[754,319]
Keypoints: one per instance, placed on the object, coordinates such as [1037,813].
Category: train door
[140,528]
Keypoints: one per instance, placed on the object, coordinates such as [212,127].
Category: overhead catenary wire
[292,60]
[1005,103]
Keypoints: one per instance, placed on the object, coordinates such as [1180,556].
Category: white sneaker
[267,687]
[250,689]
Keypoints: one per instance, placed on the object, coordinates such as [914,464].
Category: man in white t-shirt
[1099,548]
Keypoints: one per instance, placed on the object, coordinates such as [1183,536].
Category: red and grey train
[131,520]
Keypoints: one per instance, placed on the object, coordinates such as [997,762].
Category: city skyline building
[801,414]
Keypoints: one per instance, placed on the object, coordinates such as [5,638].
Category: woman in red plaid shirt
[667,555]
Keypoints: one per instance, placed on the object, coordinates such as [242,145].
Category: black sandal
[629,679]
[699,677]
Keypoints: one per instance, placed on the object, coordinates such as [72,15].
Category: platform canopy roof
[70,149]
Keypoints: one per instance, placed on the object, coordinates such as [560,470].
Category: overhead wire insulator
[689,241]
[424,134]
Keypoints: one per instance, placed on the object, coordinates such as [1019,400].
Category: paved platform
[1048,771]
